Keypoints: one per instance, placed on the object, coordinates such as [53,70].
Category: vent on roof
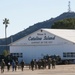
[41,30]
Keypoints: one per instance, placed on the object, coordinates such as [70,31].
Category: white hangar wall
[37,52]
[40,43]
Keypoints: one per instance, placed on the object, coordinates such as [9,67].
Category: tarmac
[59,70]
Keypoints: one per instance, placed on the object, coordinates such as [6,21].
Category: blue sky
[25,13]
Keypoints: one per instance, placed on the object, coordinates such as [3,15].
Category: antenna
[69,9]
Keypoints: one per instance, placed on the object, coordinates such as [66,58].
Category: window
[64,54]
[69,54]
[17,54]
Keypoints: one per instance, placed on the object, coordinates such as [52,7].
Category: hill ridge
[37,26]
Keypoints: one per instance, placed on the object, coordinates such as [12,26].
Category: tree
[5,53]
[64,24]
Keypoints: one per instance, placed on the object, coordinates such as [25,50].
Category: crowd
[34,64]
[13,64]
[42,64]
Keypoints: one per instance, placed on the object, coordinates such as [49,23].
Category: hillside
[29,30]
[68,23]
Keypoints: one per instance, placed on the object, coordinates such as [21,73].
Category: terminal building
[45,41]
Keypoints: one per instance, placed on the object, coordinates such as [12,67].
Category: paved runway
[59,70]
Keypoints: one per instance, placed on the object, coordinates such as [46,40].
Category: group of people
[34,64]
[42,63]
[13,64]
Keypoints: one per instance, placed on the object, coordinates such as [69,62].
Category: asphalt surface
[59,70]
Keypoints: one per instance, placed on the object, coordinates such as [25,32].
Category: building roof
[68,34]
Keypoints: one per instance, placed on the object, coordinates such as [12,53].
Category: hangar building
[45,41]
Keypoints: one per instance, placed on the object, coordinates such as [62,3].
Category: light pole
[6,22]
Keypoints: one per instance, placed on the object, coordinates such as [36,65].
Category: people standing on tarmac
[53,63]
[2,65]
[32,64]
[35,63]
[13,65]
[40,64]
[22,65]
[49,63]
[8,66]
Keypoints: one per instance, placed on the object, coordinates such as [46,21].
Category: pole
[6,21]
[5,37]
